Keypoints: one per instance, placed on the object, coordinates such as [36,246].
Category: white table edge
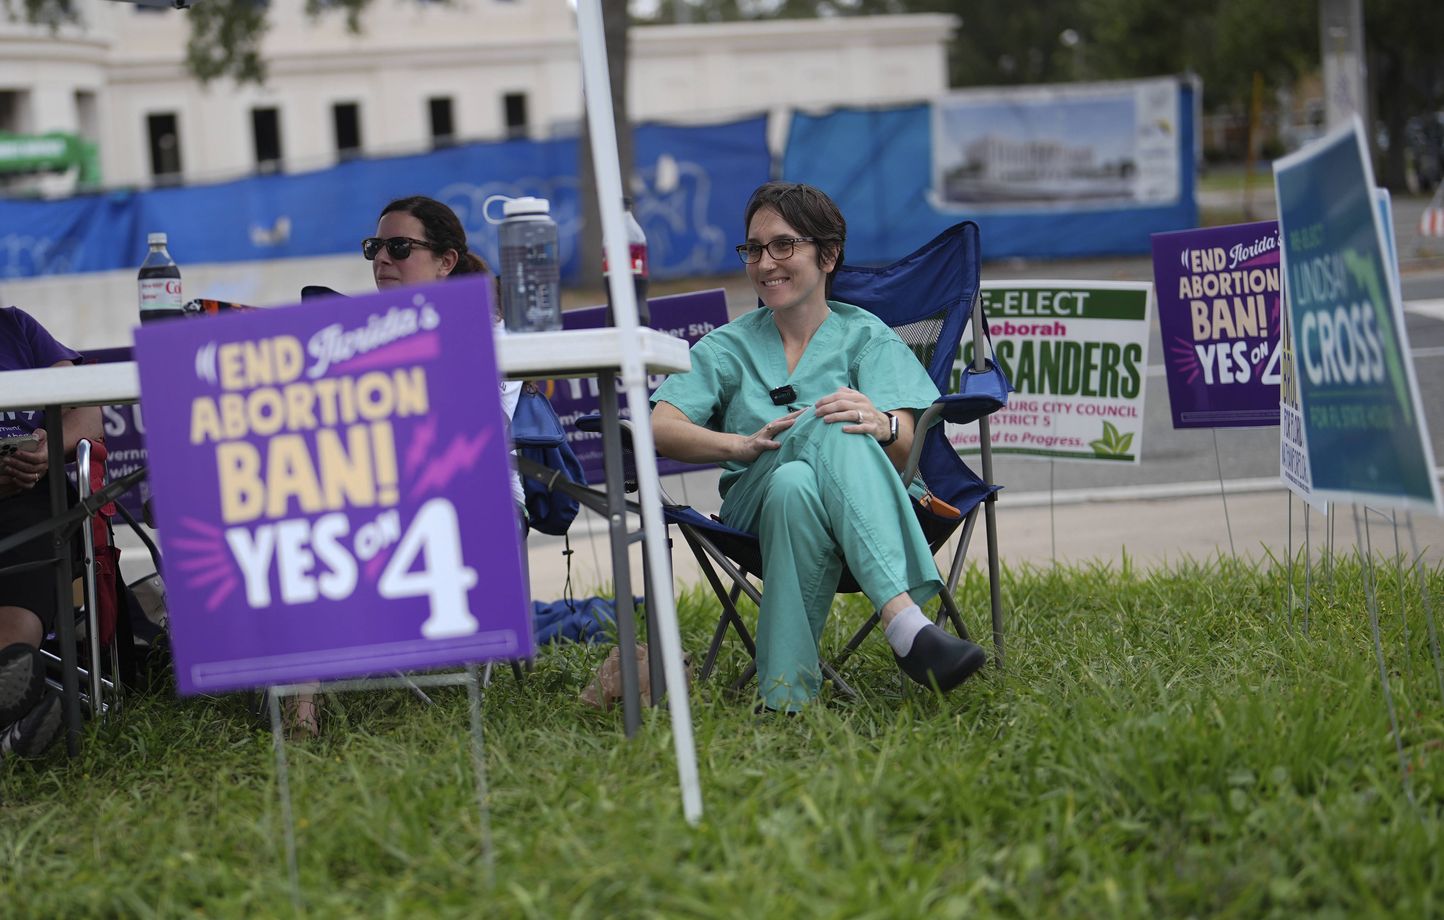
[571,353]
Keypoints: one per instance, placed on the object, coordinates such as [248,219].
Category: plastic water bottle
[530,264]
[637,255]
[160,283]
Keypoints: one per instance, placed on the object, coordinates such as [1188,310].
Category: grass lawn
[1162,744]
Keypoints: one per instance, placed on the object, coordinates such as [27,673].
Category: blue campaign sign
[1364,431]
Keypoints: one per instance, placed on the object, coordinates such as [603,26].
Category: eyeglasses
[397,247]
[780,248]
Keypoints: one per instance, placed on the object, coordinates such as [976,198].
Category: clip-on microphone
[783,395]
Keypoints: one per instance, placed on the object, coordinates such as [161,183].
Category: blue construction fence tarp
[1047,172]
[696,178]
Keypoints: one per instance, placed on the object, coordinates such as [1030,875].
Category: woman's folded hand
[764,439]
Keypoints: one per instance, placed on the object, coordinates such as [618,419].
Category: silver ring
[859,416]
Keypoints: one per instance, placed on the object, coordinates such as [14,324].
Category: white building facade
[422,74]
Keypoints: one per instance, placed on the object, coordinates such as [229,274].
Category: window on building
[266,131]
[346,117]
[165,155]
[87,115]
[14,111]
[515,106]
[443,129]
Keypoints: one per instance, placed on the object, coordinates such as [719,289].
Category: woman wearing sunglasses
[418,240]
[809,406]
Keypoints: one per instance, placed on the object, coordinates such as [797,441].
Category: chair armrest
[957,408]
[962,408]
[592,422]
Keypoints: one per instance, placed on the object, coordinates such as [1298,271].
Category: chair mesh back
[927,297]
[922,336]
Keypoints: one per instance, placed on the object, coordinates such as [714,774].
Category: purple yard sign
[124,437]
[686,316]
[1218,311]
[332,489]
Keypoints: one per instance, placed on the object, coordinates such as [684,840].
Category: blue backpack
[538,435]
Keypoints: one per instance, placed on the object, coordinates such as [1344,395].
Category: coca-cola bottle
[160,283]
[637,255]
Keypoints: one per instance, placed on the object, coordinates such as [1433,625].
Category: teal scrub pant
[823,498]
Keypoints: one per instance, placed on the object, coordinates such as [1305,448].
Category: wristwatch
[891,430]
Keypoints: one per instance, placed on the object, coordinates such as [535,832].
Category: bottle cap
[526,205]
[155,239]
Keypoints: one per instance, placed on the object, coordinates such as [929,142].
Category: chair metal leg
[740,683]
[706,554]
[116,704]
[92,606]
[995,583]
[862,633]
[715,646]
[64,593]
[841,686]
[955,572]
[106,685]
[948,609]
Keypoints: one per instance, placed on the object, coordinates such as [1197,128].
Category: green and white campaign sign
[1363,429]
[1076,353]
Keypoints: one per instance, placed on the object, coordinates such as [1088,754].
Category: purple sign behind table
[1218,311]
[124,437]
[333,499]
[686,316]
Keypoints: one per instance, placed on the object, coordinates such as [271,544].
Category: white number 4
[1271,375]
[435,534]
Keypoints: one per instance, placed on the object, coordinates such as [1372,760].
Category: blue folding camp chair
[928,298]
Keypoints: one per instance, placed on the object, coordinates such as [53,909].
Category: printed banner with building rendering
[1059,146]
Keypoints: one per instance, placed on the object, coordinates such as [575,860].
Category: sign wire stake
[1403,606]
[1308,563]
[1364,547]
[478,764]
[1289,548]
[1223,496]
[283,786]
[1428,603]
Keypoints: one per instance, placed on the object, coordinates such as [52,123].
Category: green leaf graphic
[1113,443]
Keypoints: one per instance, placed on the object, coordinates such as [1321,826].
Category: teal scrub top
[735,367]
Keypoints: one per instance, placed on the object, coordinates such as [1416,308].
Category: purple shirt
[26,345]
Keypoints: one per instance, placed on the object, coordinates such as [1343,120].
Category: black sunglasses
[398,247]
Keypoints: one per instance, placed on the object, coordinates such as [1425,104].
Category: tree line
[1231,45]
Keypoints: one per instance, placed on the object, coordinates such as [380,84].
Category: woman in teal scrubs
[810,406]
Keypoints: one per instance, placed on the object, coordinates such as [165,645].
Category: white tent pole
[597,84]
